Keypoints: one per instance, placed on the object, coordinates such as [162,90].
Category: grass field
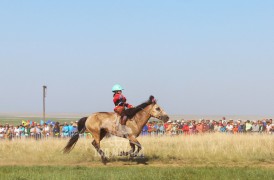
[209,156]
[135,172]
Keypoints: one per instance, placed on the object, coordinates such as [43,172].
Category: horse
[101,123]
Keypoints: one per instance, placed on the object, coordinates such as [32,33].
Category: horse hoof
[133,155]
[104,160]
[123,153]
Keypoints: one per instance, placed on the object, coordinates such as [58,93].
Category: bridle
[149,113]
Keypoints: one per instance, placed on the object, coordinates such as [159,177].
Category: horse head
[157,111]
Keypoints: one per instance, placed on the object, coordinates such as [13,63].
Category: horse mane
[130,113]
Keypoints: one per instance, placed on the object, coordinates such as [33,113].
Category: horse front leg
[131,151]
[138,149]
[132,148]
[134,142]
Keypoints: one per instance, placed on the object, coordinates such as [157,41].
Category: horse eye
[158,109]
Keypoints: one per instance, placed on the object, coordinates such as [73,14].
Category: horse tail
[73,140]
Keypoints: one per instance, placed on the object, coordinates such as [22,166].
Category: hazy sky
[194,56]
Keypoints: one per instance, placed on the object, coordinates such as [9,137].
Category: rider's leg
[123,129]
[124,120]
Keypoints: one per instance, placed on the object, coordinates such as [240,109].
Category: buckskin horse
[101,123]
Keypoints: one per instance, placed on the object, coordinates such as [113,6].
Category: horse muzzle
[164,118]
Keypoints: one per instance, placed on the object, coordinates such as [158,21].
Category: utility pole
[44,102]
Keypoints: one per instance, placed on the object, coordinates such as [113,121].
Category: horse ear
[152,99]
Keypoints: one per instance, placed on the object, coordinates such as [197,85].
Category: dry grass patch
[215,149]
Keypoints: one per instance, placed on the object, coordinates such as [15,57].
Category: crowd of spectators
[37,131]
[187,127]
[175,127]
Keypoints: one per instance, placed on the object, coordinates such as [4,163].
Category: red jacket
[185,128]
[120,100]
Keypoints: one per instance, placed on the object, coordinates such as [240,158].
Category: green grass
[132,172]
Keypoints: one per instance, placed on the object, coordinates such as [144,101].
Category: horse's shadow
[132,160]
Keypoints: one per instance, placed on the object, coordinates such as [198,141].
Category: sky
[196,57]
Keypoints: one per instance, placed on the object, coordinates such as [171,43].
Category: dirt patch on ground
[130,163]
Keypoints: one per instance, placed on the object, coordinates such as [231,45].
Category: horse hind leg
[96,144]
[100,151]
